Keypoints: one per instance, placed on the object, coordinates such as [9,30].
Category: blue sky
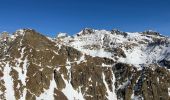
[52,16]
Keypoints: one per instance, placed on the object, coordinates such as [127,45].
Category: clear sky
[52,16]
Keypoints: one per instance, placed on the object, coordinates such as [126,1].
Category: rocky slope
[92,65]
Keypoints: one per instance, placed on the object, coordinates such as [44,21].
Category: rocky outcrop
[86,31]
[117,32]
[151,33]
[147,83]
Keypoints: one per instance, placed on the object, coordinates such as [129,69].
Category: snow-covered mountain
[91,65]
[143,48]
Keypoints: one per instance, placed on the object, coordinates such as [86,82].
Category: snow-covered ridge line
[140,48]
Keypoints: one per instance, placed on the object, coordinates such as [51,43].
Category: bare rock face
[34,68]
[151,33]
[166,61]
[147,84]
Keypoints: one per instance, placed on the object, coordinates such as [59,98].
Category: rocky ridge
[92,65]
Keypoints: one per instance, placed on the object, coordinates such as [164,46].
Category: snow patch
[169,91]
[104,65]
[69,91]
[62,35]
[82,58]
[134,57]
[111,94]
[9,92]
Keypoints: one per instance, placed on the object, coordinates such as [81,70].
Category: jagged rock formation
[92,65]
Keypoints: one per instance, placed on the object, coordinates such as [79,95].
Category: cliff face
[94,65]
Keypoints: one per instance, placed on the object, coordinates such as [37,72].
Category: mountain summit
[92,65]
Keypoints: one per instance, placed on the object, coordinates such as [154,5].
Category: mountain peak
[86,31]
